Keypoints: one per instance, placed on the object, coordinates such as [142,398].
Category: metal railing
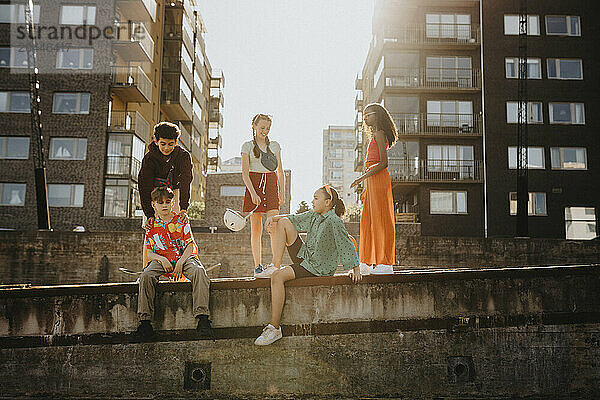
[129,121]
[437,124]
[433,170]
[433,33]
[132,76]
[446,78]
[135,32]
[123,166]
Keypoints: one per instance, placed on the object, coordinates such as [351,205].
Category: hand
[166,264]
[269,224]
[183,217]
[149,224]
[178,270]
[356,182]
[255,198]
[355,274]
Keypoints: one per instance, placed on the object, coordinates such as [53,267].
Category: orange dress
[377,222]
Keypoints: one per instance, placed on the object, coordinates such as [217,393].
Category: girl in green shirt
[327,245]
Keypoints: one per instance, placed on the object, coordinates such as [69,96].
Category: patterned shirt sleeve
[302,221]
[189,238]
[344,245]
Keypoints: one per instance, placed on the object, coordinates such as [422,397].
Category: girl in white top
[263,176]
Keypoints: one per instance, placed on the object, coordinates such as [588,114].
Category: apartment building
[100,98]
[339,143]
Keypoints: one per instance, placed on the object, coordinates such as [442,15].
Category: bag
[268,160]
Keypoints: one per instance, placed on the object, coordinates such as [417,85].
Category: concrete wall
[485,334]
[68,257]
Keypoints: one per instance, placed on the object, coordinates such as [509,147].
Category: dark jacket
[156,165]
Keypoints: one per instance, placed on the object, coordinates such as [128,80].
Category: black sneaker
[144,330]
[204,328]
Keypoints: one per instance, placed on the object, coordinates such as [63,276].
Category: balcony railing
[214,115]
[132,121]
[438,124]
[432,170]
[123,166]
[136,10]
[434,78]
[358,101]
[131,83]
[173,31]
[133,41]
[438,34]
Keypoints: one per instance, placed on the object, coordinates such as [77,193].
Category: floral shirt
[170,239]
[327,242]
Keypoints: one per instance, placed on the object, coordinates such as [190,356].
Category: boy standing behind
[170,248]
[166,164]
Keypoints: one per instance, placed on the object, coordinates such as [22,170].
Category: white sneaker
[268,336]
[382,269]
[365,269]
[266,272]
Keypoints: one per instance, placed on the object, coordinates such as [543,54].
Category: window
[238,191]
[12,194]
[124,154]
[450,69]
[185,88]
[535,158]
[336,175]
[451,158]
[71,103]
[450,113]
[337,164]
[74,58]
[568,157]
[562,25]
[198,83]
[68,148]
[197,109]
[13,57]
[534,68]
[336,153]
[116,198]
[567,113]
[14,102]
[452,26]
[534,112]
[536,205]
[447,202]
[378,72]
[77,15]
[511,25]
[65,195]
[14,148]
[564,68]
[580,223]
[15,13]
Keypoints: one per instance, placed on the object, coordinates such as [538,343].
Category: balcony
[122,167]
[358,101]
[436,35]
[174,102]
[447,125]
[434,79]
[215,142]
[173,32]
[129,121]
[214,115]
[137,10]
[430,170]
[359,161]
[131,84]
[133,42]
[216,96]
[185,137]
[358,82]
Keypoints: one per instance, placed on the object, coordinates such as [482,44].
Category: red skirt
[267,187]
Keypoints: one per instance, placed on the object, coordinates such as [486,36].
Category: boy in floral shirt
[171,250]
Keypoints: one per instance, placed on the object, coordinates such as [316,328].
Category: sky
[296,60]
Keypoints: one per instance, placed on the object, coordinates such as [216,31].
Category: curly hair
[383,121]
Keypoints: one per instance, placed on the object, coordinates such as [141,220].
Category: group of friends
[170,250]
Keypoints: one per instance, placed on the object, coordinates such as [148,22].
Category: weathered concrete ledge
[501,333]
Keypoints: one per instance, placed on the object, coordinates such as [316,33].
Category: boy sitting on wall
[170,248]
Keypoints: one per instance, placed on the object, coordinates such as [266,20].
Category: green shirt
[327,242]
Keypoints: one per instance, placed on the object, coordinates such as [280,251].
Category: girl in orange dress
[377,223]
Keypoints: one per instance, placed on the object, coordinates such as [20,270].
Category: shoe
[365,269]
[268,336]
[258,270]
[266,272]
[204,327]
[144,330]
[382,269]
